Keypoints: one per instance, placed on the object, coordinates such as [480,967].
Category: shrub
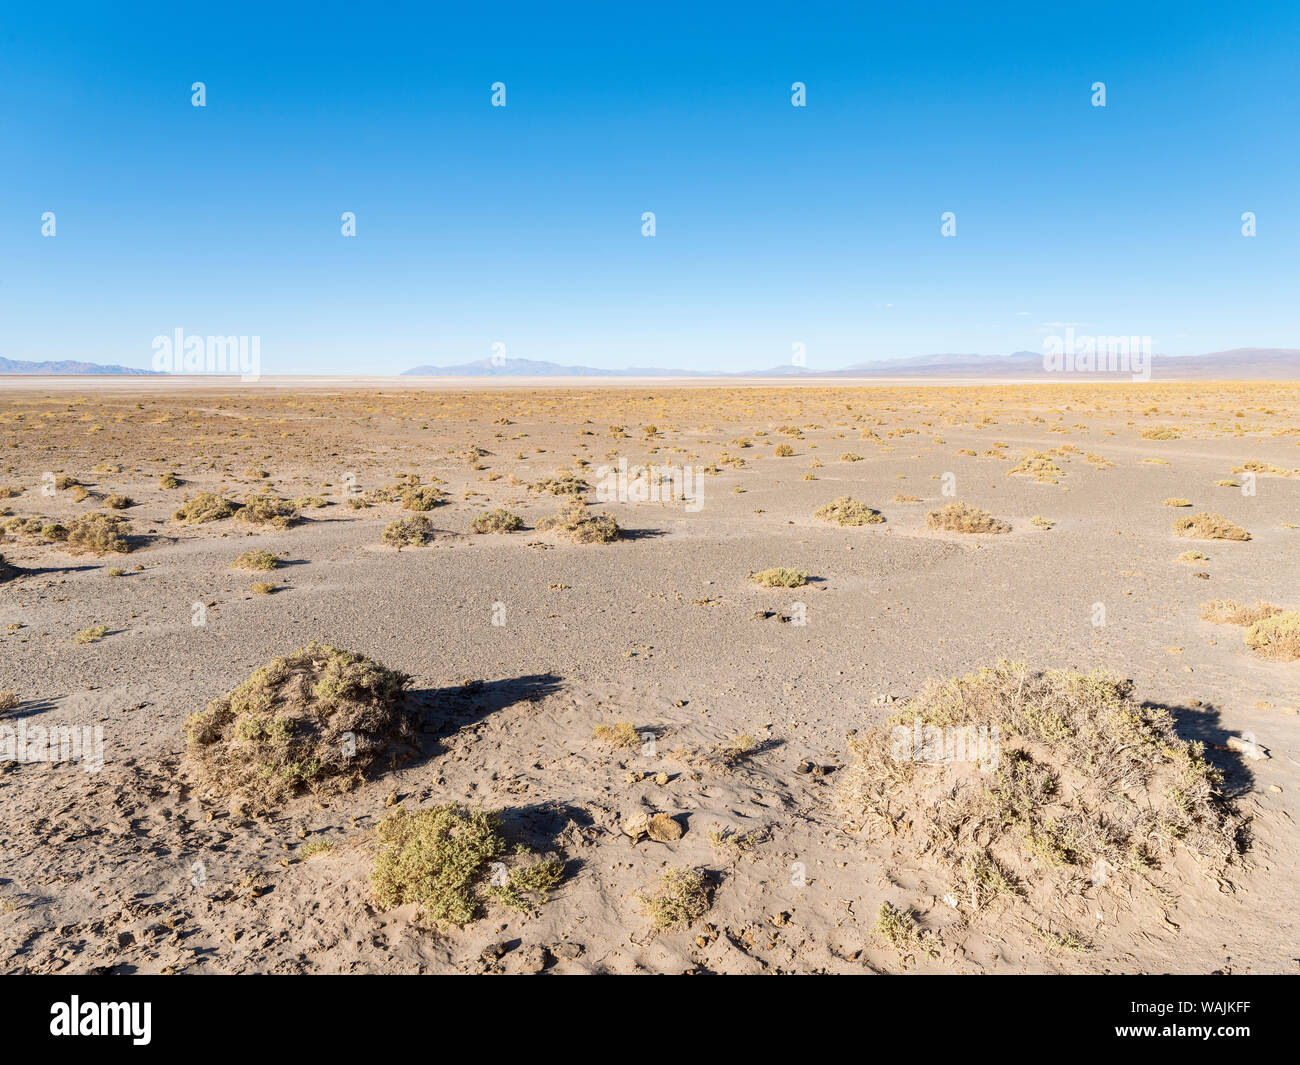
[847,511]
[169,480]
[1177,501]
[780,578]
[783,451]
[1276,636]
[264,588]
[1079,772]
[620,734]
[441,860]
[423,498]
[1228,612]
[93,634]
[1207,526]
[496,521]
[1266,469]
[1039,466]
[267,509]
[563,484]
[118,502]
[318,719]
[257,560]
[99,534]
[681,899]
[205,507]
[899,929]
[408,532]
[963,518]
[581,527]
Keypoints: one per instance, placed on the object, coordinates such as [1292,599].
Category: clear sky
[523,225]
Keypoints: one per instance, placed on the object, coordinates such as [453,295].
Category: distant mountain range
[67,367]
[1239,363]
[1279,364]
[532,368]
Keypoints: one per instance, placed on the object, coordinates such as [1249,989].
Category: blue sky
[521,225]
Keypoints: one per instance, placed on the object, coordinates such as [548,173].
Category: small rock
[496,950]
[1246,747]
[567,951]
[663,829]
[534,960]
[635,826]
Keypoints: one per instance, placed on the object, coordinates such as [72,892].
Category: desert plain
[576,686]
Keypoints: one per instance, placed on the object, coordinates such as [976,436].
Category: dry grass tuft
[620,734]
[963,518]
[562,484]
[779,577]
[262,561]
[1038,465]
[847,511]
[1208,526]
[1228,612]
[1265,469]
[899,929]
[680,899]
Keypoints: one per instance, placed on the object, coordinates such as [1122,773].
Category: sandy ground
[127,869]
